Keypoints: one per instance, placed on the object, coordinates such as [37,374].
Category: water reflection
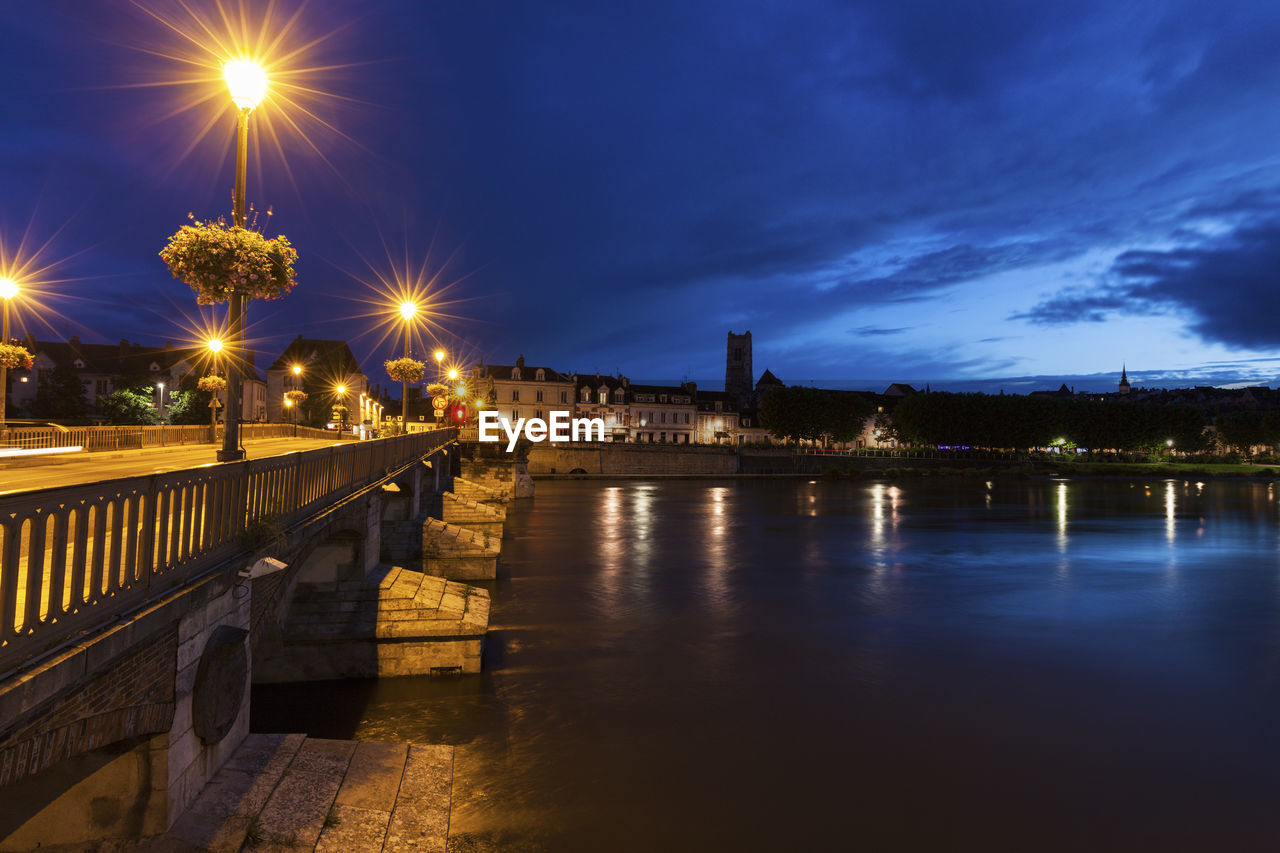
[716,550]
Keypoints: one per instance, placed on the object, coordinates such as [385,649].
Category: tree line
[1016,422]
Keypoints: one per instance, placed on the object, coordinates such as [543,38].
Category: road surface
[78,468]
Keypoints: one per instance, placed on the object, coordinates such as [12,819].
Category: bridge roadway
[45,472]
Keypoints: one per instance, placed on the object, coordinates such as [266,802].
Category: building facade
[664,414]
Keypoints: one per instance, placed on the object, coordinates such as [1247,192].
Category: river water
[792,665]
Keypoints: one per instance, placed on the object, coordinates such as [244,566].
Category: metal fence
[136,437]
[73,558]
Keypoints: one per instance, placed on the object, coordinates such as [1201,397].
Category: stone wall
[625,459]
[193,761]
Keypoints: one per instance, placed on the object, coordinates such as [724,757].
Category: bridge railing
[98,438]
[76,557]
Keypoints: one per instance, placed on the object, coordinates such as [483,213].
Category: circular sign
[439,402]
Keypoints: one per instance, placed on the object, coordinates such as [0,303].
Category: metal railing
[73,558]
[136,437]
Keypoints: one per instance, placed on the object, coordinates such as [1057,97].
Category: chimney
[520,361]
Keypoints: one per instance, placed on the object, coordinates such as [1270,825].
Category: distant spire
[1124,379]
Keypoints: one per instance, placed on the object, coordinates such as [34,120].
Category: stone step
[473,491]
[402,622]
[289,792]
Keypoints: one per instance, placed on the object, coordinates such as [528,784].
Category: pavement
[293,793]
[71,469]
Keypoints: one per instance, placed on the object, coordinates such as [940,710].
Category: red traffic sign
[439,402]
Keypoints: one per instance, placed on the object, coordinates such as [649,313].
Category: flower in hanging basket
[295,397]
[14,357]
[216,260]
[405,369]
[212,384]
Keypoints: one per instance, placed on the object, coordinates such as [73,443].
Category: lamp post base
[230,455]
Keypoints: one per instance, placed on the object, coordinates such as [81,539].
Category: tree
[189,408]
[61,397]
[127,407]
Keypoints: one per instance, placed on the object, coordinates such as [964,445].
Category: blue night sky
[961,193]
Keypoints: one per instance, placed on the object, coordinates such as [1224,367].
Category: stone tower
[1124,380]
[739,380]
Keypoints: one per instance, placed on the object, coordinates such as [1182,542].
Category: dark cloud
[1226,287]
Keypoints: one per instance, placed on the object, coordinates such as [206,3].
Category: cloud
[1225,286]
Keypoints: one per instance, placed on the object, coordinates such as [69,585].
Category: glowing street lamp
[341,391]
[439,354]
[453,373]
[408,310]
[247,84]
[8,290]
[214,345]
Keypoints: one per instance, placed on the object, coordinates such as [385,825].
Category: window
[101,387]
[604,396]
[564,396]
[540,376]
[79,364]
[719,406]
[686,417]
[619,396]
[538,395]
[515,395]
[664,419]
[662,398]
[585,395]
[537,413]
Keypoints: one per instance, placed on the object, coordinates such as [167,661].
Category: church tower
[1124,381]
[738,377]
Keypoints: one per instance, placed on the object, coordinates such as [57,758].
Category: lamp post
[8,290]
[247,83]
[215,347]
[341,391]
[439,354]
[408,311]
[297,386]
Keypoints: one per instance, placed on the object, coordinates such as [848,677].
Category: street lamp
[8,290]
[341,391]
[214,346]
[453,373]
[408,310]
[160,386]
[439,363]
[247,83]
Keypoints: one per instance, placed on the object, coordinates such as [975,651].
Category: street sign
[439,402]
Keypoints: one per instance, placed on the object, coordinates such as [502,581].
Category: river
[940,664]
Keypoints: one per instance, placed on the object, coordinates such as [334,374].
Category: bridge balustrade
[131,437]
[79,557]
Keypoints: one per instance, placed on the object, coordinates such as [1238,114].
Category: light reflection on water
[951,664]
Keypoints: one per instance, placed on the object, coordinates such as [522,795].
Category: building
[604,397]
[737,368]
[664,414]
[324,366]
[100,370]
[717,418]
[1124,381]
[520,391]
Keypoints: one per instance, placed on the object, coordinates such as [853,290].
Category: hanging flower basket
[14,357]
[295,397]
[212,384]
[405,370]
[216,260]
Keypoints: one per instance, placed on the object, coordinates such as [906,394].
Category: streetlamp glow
[341,389]
[246,81]
[297,370]
[439,356]
[214,345]
[408,310]
[8,288]
[453,373]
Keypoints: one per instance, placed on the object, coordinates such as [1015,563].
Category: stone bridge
[134,614]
